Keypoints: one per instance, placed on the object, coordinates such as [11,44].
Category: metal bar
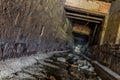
[95,30]
[84,16]
[72,17]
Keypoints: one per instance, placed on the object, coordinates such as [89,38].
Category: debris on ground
[67,66]
[77,49]
[52,78]
[61,59]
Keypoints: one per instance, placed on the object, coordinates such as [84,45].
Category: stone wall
[32,25]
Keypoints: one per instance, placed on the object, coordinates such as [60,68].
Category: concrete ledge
[104,72]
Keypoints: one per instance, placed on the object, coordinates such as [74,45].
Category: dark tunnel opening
[86,33]
[86,27]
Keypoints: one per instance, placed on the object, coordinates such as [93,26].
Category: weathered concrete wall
[113,23]
[37,24]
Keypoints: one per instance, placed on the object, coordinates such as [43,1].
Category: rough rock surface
[32,25]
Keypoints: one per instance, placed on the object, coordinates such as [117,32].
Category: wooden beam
[90,5]
[94,33]
[104,27]
[84,11]
[84,16]
[72,17]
